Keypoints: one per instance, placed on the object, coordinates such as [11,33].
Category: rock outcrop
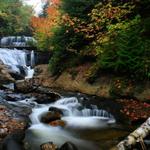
[5,76]
[106,85]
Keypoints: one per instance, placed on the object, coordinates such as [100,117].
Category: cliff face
[106,85]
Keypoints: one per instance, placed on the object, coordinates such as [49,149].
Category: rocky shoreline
[12,128]
[106,85]
[131,103]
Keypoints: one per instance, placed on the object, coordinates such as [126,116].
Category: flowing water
[77,119]
[86,127]
[16,41]
[16,61]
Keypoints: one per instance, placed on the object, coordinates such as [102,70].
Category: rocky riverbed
[15,106]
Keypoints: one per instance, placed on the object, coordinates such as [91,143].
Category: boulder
[13,141]
[48,146]
[24,86]
[58,110]
[16,75]
[55,110]
[50,116]
[50,94]
[14,97]
[42,98]
[68,146]
[5,77]
[58,123]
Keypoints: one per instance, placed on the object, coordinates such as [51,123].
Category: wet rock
[50,116]
[43,98]
[58,123]
[3,132]
[48,146]
[55,110]
[16,75]
[42,95]
[47,94]
[10,123]
[5,76]
[13,141]
[24,86]
[68,146]
[14,97]
[58,110]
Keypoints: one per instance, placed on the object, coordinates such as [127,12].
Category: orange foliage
[45,24]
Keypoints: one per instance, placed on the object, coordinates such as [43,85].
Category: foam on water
[15,59]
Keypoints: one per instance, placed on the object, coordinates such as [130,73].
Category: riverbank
[131,98]
[106,85]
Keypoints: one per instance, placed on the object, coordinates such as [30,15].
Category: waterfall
[32,59]
[73,110]
[17,41]
[77,117]
[16,61]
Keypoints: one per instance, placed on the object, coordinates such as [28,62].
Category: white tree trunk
[135,136]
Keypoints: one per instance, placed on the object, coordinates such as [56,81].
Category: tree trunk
[135,136]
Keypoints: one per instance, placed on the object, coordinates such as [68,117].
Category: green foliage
[128,52]
[115,32]
[78,8]
[14,18]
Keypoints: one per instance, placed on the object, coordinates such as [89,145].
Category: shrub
[128,52]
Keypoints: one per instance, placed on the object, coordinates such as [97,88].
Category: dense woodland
[14,18]
[97,47]
[112,34]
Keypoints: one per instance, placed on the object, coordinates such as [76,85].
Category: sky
[37,5]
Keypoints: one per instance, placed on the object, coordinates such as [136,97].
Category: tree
[14,17]
[43,25]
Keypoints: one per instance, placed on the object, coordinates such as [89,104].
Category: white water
[16,41]
[75,116]
[32,59]
[14,59]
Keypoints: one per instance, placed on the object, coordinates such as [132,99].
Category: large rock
[56,123]
[45,95]
[55,110]
[5,77]
[50,116]
[48,146]
[42,95]
[13,141]
[24,86]
[68,146]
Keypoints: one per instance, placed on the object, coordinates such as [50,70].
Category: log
[136,136]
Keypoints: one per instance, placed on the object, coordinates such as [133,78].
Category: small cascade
[72,104]
[74,111]
[16,41]
[16,61]
[32,59]
[75,115]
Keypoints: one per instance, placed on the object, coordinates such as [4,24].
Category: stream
[76,117]
[88,127]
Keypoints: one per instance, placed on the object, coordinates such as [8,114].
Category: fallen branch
[136,136]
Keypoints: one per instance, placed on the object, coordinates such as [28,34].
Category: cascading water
[16,61]
[16,41]
[75,116]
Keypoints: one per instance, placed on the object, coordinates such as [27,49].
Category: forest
[75,75]
[114,33]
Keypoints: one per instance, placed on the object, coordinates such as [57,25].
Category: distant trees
[14,18]
[115,32]
[44,24]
